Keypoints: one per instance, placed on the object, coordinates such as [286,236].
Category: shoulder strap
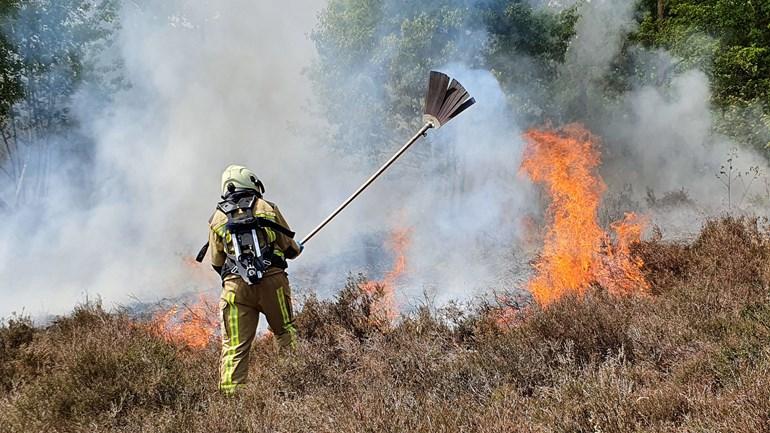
[264,222]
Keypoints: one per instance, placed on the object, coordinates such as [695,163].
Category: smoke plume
[213,83]
[210,85]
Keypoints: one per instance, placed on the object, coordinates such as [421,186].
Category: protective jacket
[282,246]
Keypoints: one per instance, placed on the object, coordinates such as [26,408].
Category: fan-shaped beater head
[446,99]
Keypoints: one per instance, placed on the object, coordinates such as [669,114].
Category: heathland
[690,355]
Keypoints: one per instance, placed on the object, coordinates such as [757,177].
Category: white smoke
[470,216]
[211,84]
[670,142]
[216,83]
[659,136]
[599,35]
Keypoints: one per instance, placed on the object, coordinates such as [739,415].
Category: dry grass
[692,357]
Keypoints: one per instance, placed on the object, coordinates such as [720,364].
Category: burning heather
[384,290]
[193,326]
[577,251]
[197,325]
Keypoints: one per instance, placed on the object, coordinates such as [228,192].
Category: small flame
[577,251]
[193,326]
[386,305]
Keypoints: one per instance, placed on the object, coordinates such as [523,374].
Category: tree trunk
[661,10]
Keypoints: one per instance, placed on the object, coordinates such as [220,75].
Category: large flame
[577,251]
[385,289]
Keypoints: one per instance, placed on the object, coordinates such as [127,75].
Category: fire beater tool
[446,98]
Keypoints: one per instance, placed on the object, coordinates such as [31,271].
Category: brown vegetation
[692,356]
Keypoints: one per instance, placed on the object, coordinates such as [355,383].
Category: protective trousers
[241,304]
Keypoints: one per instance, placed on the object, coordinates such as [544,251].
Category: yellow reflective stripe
[266,215]
[228,389]
[220,230]
[287,324]
[270,235]
[234,340]
[223,233]
[278,252]
[228,241]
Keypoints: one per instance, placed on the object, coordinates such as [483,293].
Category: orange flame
[621,271]
[386,305]
[192,326]
[577,251]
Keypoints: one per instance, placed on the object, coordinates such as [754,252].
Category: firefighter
[248,290]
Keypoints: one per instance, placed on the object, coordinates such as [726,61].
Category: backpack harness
[250,258]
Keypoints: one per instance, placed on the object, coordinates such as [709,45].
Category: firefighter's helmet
[238,177]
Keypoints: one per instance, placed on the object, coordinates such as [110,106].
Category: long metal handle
[366,184]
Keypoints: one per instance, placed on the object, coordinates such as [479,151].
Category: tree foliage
[730,41]
[374,55]
[378,52]
[44,58]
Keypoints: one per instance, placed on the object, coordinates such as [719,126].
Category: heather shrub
[15,335]
[352,312]
[689,356]
[97,365]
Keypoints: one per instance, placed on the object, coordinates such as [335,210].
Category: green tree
[526,47]
[47,45]
[374,57]
[730,41]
